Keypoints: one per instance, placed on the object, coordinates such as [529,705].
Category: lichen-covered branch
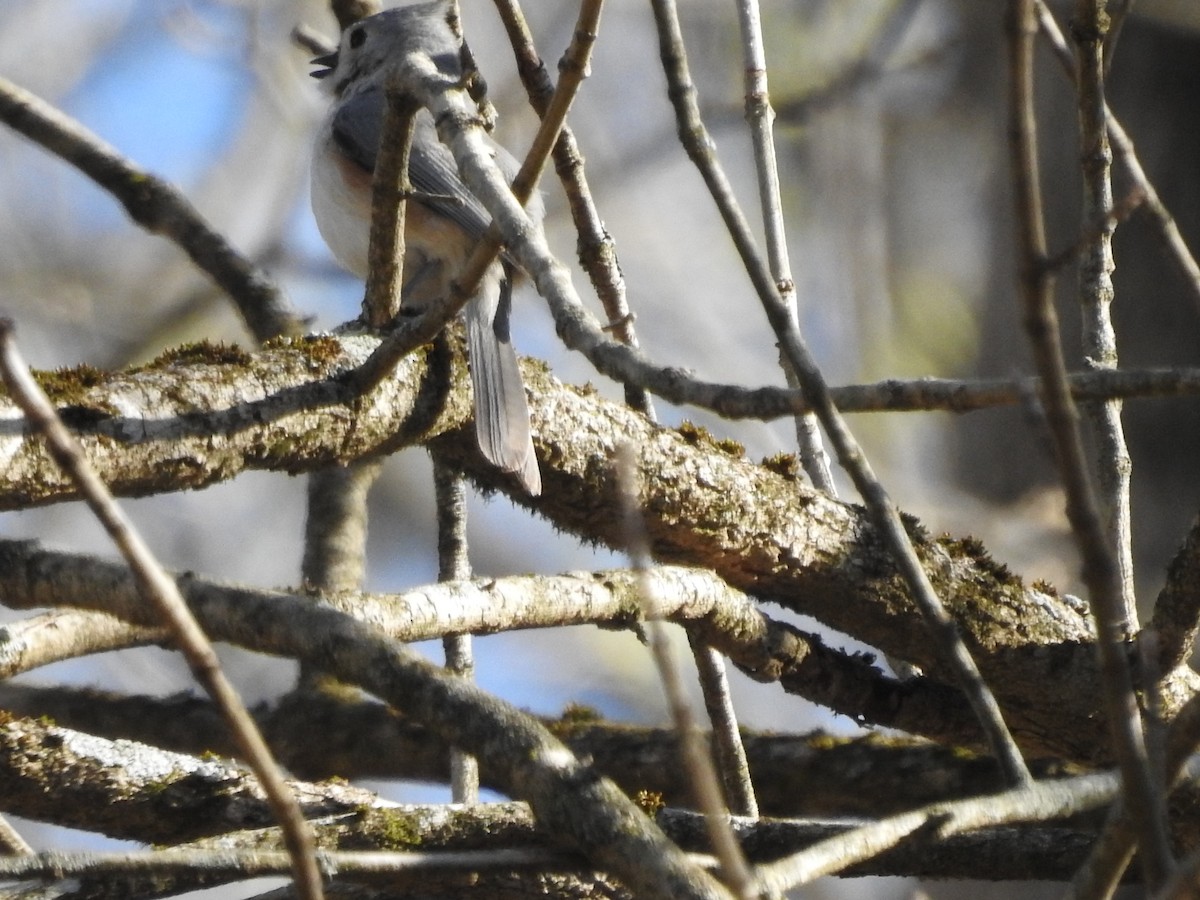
[714,614]
[151,796]
[589,812]
[796,774]
[208,416]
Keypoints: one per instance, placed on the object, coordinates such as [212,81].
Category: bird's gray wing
[357,125]
[501,412]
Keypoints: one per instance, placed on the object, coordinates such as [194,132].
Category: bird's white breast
[341,203]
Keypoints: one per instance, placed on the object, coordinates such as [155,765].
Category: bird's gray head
[370,44]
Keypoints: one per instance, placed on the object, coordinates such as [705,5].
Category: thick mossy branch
[289,408]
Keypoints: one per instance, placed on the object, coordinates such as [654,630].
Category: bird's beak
[329,62]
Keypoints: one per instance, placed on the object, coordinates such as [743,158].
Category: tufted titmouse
[443,222]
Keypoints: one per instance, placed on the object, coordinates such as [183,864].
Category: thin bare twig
[727,739]
[156,206]
[970,395]
[695,755]
[1113,464]
[1100,228]
[596,249]
[1168,230]
[731,755]
[450,493]
[158,589]
[767,403]
[884,515]
[1033,802]
[210,867]
[761,118]
[1100,570]
[1122,146]
[1100,874]
[390,190]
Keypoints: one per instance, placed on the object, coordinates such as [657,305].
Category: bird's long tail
[501,412]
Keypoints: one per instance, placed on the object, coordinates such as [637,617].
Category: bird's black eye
[357,36]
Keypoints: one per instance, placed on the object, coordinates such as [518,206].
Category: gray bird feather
[501,410]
